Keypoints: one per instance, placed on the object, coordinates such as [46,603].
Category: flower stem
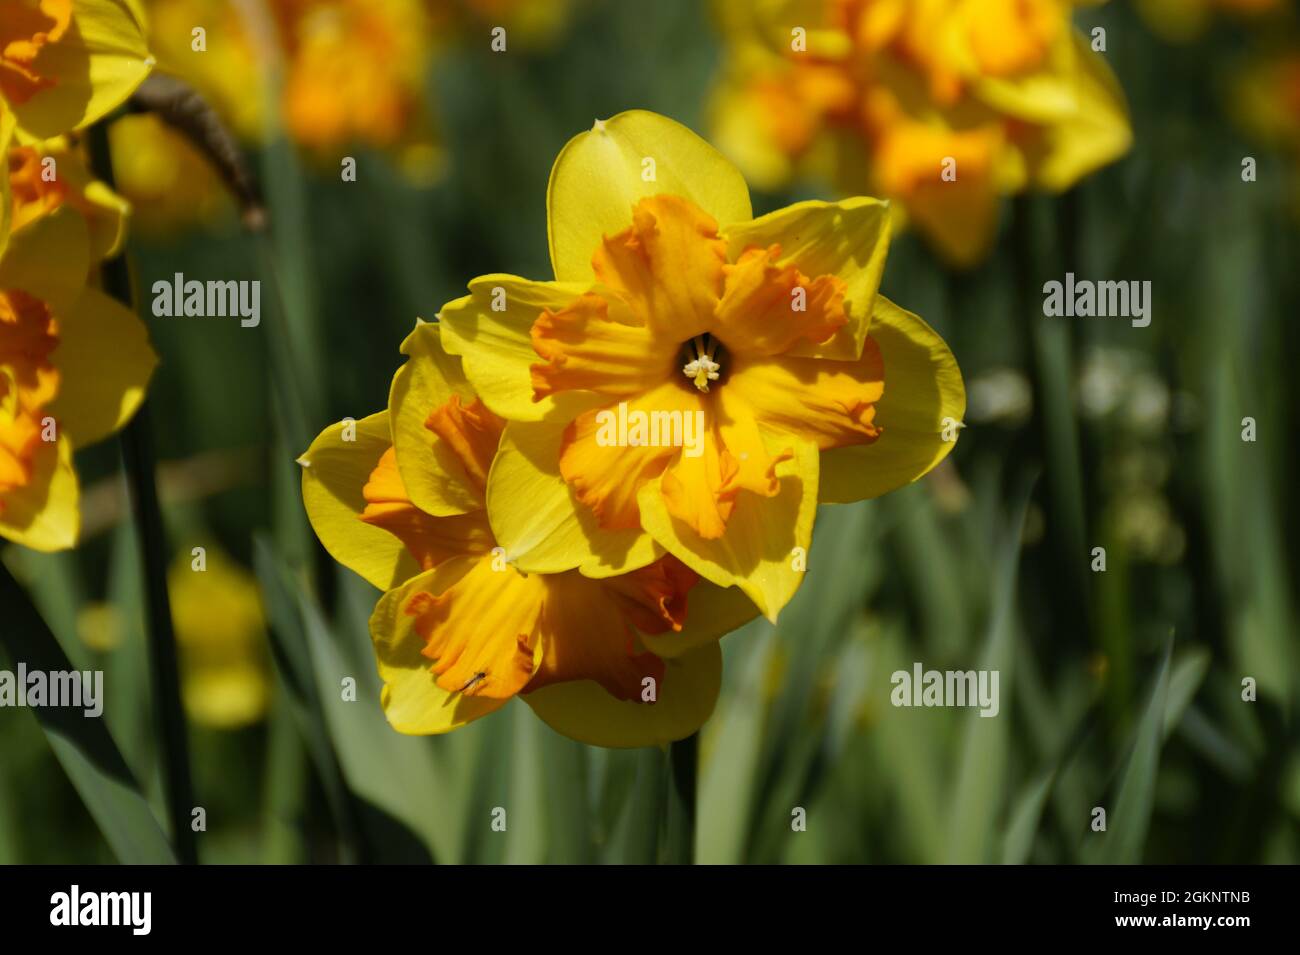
[138,459]
[683,771]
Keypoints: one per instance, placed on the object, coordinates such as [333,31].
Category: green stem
[138,458]
[683,773]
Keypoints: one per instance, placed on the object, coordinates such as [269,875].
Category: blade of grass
[980,790]
[83,745]
[1127,824]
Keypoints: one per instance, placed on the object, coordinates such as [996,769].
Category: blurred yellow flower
[945,105]
[74,363]
[66,63]
[399,497]
[171,185]
[695,380]
[221,636]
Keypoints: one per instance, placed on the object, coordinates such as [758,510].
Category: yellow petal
[49,259]
[44,514]
[6,197]
[1095,134]
[601,174]
[848,239]
[539,521]
[585,712]
[765,538]
[94,67]
[412,700]
[923,393]
[334,473]
[712,612]
[434,477]
[496,349]
[104,362]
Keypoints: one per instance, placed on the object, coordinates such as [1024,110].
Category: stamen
[701,367]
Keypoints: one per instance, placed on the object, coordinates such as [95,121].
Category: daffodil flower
[672,303]
[224,667]
[399,498]
[944,105]
[74,363]
[65,64]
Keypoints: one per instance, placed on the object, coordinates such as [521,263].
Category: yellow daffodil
[399,498]
[171,185]
[352,72]
[225,672]
[74,363]
[66,63]
[694,380]
[944,105]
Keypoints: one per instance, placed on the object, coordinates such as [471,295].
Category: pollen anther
[701,367]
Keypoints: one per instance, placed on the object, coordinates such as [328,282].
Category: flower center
[702,353]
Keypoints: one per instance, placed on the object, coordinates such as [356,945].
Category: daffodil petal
[587,628]
[95,65]
[434,477]
[764,540]
[45,513]
[606,469]
[602,173]
[923,404]
[6,195]
[430,540]
[712,612]
[97,397]
[334,473]
[1097,133]
[538,520]
[583,711]
[412,700]
[490,330]
[49,259]
[848,239]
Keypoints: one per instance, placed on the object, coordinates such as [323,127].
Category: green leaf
[1127,824]
[83,745]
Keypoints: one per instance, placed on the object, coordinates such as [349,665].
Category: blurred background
[1120,689]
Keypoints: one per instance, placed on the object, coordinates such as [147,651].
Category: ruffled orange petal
[589,628]
[472,432]
[597,344]
[25,29]
[767,308]
[668,265]
[829,402]
[482,631]
[606,474]
[430,540]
